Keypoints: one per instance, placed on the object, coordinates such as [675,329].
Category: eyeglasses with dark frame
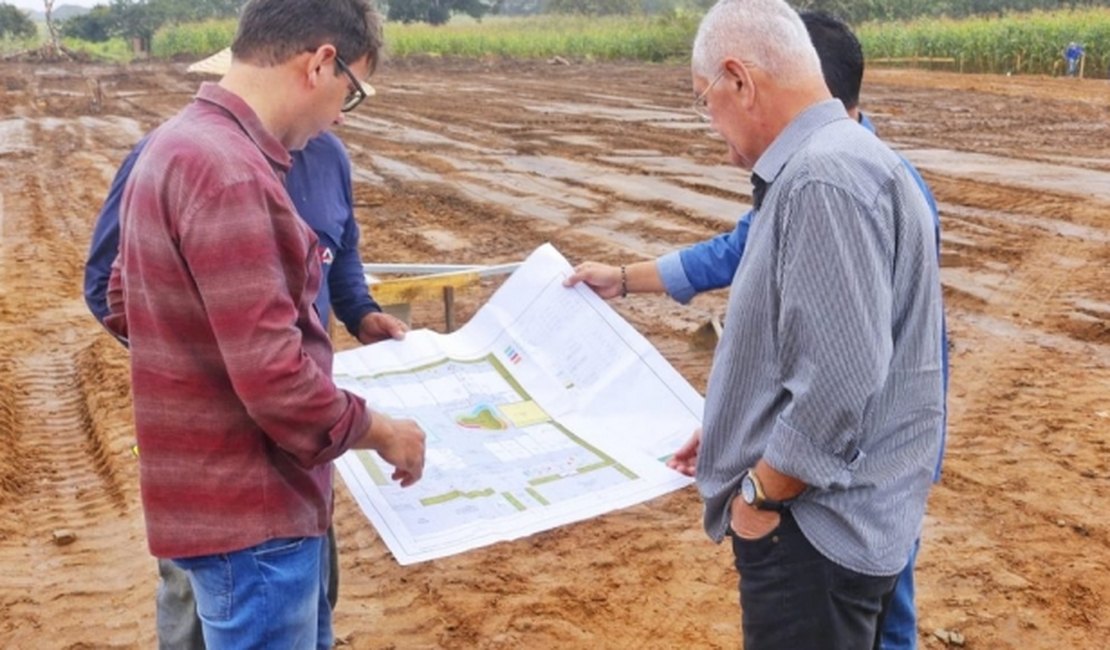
[701,102]
[356,94]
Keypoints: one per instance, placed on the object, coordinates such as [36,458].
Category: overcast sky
[38,6]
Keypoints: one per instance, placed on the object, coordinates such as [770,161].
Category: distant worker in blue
[319,184]
[1072,54]
[712,264]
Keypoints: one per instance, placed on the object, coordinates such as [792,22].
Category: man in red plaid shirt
[235,410]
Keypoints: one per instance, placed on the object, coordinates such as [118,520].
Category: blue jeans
[273,595]
[179,627]
[900,624]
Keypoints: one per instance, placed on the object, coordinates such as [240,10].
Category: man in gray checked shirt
[822,419]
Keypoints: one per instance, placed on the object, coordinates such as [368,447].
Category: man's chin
[736,159]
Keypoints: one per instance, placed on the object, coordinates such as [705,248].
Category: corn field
[1029,43]
[638,38]
[196,39]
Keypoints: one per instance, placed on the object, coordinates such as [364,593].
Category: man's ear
[317,62]
[742,78]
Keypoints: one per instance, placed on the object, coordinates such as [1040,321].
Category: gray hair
[767,34]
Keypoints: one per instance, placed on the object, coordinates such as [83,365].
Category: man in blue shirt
[711,264]
[319,184]
[1072,54]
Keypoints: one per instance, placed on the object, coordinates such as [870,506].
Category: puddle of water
[445,240]
[579,140]
[14,137]
[1054,226]
[53,123]
[406,134]
[1070,263]
[1103,163]
[947,237]
[648,219]
[434,87]
[610,112]
[1098,311]
[393,168]
[531,188]
[723,177]
[1032,336]
[650,153]
[685,125]
[529,206]
[974,283]
[547,187]
[1034,176]
[995,265]
[620,237]
[632,188]
[130,129]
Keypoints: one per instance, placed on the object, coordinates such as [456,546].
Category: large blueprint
[545,409]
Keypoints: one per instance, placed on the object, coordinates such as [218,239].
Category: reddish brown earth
[481,162]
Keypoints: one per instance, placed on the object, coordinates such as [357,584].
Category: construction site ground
[482,161]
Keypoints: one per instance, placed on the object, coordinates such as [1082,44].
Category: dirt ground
[483,161]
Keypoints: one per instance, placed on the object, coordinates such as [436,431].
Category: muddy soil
[483,161]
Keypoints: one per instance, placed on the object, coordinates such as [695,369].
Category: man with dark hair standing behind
[235,411]
[712,264]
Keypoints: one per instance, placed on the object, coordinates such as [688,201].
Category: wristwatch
[751,491]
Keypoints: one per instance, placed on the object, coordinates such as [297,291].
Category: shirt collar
[866,122]
[249,121]
[791,138]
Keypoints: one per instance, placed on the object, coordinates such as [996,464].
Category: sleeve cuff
[673,275]
[794,453]
[354,323]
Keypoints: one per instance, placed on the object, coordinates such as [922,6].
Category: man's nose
[338,120]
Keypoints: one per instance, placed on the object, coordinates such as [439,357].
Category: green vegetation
[642,38]
[856,12]
[10,45]
[1030,43]
[134,19]
[195,39]
[645,38]
[437,12]
[114,50]
[15,24]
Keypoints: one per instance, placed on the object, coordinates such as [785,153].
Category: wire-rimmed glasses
[701,102]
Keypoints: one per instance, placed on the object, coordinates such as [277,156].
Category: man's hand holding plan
[546,408]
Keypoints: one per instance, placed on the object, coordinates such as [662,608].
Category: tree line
[131,19]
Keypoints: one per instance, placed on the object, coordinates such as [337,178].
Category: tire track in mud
[72,484]
[70,530]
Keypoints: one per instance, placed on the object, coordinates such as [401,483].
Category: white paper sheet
[546,408]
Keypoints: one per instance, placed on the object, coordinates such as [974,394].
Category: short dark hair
[840,53]
[273,31]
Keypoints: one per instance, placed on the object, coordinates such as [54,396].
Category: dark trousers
[794,598]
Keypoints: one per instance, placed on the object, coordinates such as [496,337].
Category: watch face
[747,490]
